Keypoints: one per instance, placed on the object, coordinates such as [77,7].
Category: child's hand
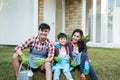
[57,59]
[73,63]
[39,62]
[24,59]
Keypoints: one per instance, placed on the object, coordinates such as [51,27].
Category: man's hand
[57,59]
[39,62]
[73,63]
[24,59]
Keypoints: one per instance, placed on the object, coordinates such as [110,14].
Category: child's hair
[61,35]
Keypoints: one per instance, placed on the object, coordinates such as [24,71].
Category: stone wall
[40,11]
[73,13]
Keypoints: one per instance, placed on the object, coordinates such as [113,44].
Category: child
[62,58]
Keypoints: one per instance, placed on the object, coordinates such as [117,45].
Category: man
[41,49]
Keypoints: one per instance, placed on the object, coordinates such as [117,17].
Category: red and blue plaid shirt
[34,42]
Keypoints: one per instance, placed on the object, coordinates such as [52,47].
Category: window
[110,20]
[117,3]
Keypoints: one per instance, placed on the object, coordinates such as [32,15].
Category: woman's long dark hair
[81,43]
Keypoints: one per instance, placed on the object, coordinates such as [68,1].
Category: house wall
[40,11]
[16,21]
[106,26]
[73,15]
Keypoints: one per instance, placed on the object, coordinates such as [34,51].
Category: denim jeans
[92,73]
[57,73]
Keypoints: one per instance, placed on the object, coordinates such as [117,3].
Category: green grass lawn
[105,61]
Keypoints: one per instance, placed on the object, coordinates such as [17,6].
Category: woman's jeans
[91,72]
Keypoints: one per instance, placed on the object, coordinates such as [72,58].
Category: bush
[86,38]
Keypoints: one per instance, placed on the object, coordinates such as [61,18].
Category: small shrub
[69,37]
[86,38]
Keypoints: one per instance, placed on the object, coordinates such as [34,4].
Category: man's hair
[61,35]
[44,26]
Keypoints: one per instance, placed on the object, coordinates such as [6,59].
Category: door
[49,17]
[60,16]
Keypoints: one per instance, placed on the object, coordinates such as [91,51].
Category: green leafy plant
[86,38]
[69,37]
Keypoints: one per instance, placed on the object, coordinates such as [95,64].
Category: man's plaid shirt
[34,42]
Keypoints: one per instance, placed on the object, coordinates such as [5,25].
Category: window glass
[118,3]
[110,20]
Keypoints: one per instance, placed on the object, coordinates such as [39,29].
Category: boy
[62,58]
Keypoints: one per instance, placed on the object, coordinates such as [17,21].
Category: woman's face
[76,37]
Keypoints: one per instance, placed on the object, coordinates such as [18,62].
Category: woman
[79,52]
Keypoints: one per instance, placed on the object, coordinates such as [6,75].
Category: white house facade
[19,20]
[104,23]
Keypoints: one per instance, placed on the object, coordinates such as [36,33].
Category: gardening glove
[58,45]
[39,62]
[86,68]
[57,59]
[24,59]
[73,63]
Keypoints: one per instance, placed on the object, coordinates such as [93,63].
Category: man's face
[62,41]
[43,33]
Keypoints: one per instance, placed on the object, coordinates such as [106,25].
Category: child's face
[62,41]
